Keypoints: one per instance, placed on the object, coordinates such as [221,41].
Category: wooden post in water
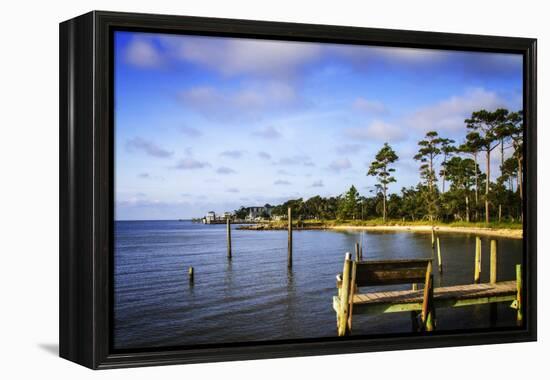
[519,296]
[344,297]
[357,252]
[228,238]
[493,271]
[414,314]
[433,237]
[427,304]
[477,263]
[439,262]
[289,237]
[191,275]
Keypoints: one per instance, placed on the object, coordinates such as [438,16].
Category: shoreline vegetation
[507,230]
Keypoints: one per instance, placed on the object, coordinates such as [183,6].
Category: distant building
[210,217]
[256,212]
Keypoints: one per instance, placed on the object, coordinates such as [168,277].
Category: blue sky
[210,123]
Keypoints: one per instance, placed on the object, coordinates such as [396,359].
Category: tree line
[452,185]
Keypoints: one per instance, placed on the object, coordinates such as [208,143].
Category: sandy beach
[500,232]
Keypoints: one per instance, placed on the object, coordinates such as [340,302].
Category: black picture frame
[86,186]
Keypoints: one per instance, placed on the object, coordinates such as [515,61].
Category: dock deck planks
[448,296]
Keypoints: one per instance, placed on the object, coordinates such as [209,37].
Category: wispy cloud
[318,183]
[232,153]
[262,58]
[144,175]
[269,133]
[349,148]
[264,155]
[232,190]
[449,114]
[339,165]
[295,160]
[189,163]
[369,106]
[141,52]
[378,131]
[225,170]
[150,148]
[281,182]
[190,131]
[250,102]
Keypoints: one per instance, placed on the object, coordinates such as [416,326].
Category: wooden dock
[422,303]
[448,296]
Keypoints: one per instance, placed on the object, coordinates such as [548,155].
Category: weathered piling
[289,238]
[191,275]
[228,238]
[519,295]
[433,237]
[357,252]
[427,305]
[344,297]
[477,263]
[493,268]
[414,314]
[439,262]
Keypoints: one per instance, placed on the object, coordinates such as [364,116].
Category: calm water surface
[254,297]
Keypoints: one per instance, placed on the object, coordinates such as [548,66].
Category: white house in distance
[258,211]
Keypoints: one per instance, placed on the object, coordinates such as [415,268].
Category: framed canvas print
[236,189]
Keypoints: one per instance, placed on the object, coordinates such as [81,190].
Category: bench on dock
[357,274]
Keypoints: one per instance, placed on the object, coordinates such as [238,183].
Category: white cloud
[252,101]
[232,190]
[269,133]
[190,131]
[339,164]
[142,53]
[349,148]
[232,153]
[190,163]
[318,183]
[280,182]
[370,106]
[295,160]
[225,170]
[150,148]
[449,114]
[377,130]
[234,56]
[264,155]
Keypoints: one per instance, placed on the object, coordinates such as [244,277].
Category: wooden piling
[344,297]
[414,314]
[519,296]
[352,290]
[361,251]
[427,305]
[433,237]
[357,252]
[477,263]
[493,270]
[289,237]
[439,262]
[228,238]
[191,275]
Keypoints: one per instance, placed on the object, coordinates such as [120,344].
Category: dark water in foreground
[253,297]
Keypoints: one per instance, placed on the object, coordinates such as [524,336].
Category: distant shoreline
[485,231]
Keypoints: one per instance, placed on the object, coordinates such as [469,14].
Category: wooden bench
[357,274]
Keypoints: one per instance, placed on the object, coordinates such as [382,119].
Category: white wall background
[29,191]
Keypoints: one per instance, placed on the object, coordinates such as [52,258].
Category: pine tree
[380,168]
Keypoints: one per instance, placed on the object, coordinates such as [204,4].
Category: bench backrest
[391,272]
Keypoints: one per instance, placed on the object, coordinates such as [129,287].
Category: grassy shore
[504,229]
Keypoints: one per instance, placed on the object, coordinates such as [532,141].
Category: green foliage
[425,203]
